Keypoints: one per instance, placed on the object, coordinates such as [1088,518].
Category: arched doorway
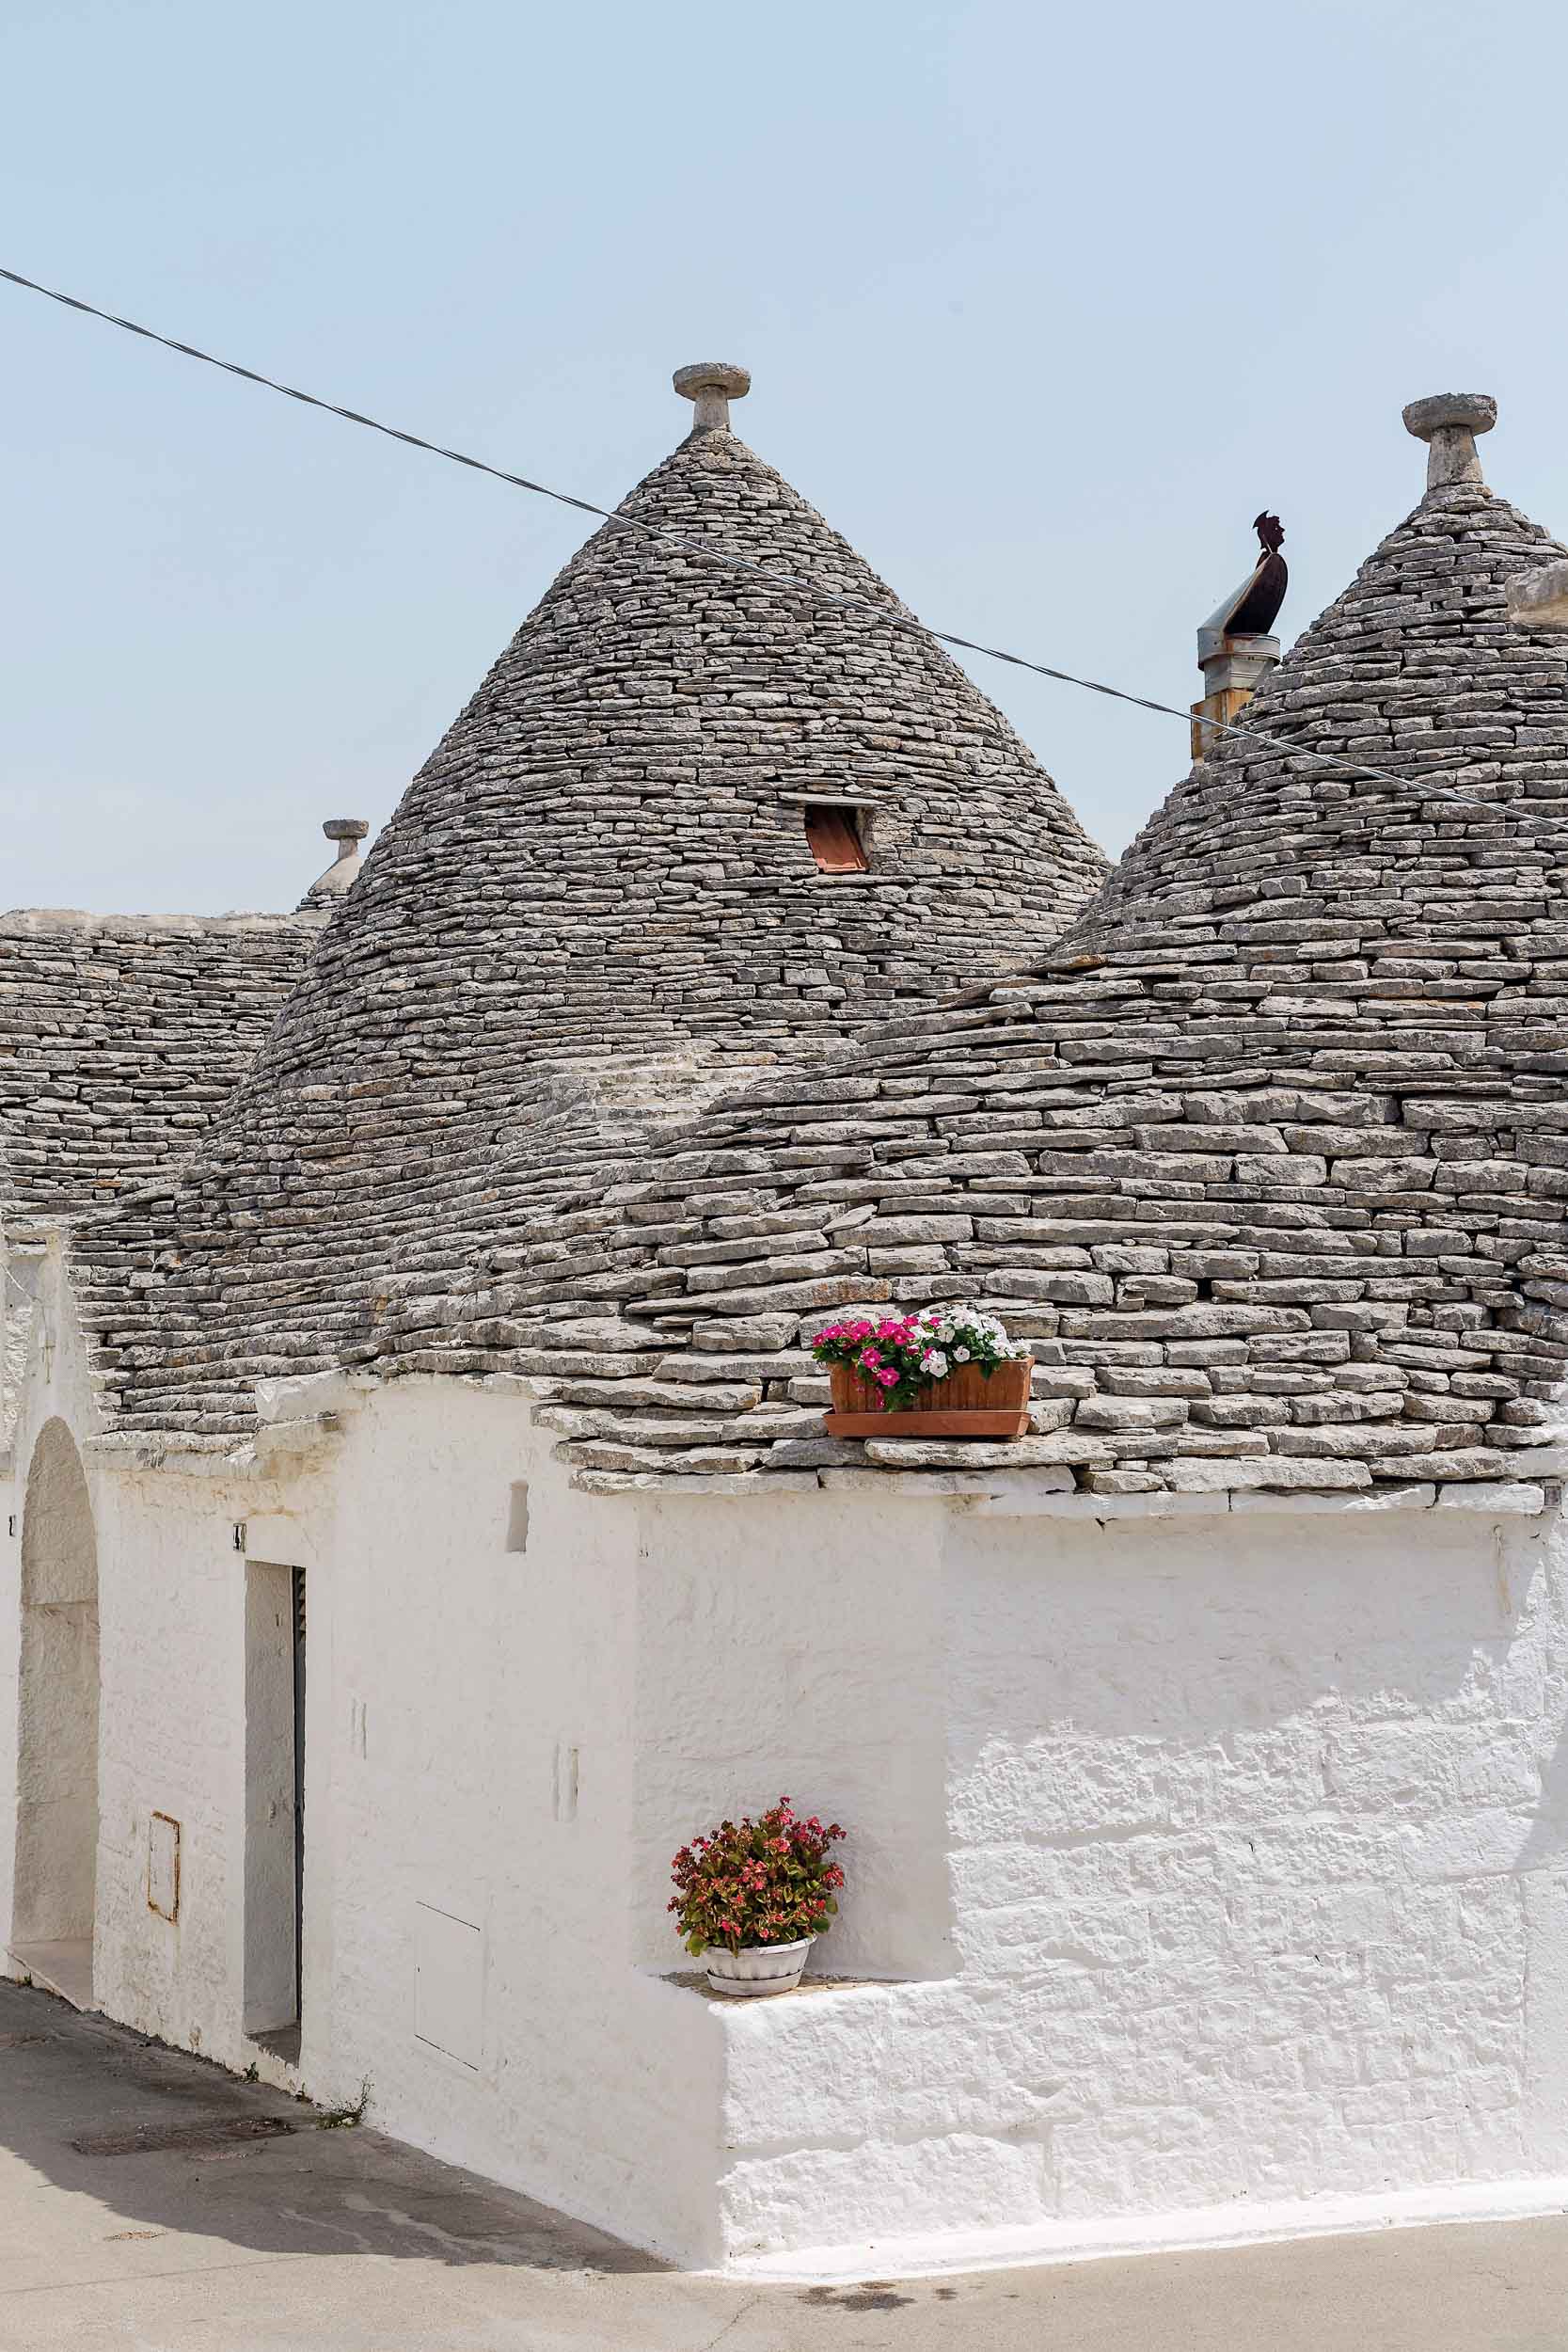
[56,1811]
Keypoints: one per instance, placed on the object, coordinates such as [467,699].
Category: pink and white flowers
[769,1880]
[904,1354]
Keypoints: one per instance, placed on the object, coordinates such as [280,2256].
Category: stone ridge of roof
[1269,1161]
[595,909]
[44,919]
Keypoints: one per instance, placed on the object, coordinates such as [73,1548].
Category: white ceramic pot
[756,1968]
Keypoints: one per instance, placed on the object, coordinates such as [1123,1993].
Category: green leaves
[901,1357]
[760,1881]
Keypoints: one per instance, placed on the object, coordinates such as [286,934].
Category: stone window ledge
[810,1988]
[1020,1494]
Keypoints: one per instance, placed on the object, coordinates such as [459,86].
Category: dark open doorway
[274,1805]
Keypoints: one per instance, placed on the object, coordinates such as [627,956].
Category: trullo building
[1203,1751]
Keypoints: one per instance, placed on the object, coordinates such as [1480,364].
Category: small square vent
[835,840]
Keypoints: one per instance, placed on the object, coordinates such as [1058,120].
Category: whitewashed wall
[457,1694]
[799,1649]
[10,1653]
[18,1320]
[1200,1865]
[480,1672]
[46,1379]
[1257,1827]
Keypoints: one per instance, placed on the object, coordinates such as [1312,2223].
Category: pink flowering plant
[765,1882]
[903,1355]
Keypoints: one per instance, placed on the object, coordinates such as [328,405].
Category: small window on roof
[835,835]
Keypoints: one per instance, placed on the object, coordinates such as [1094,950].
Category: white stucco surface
[56,1756]
[44,1394]
[1202,1865]
[1255,1827]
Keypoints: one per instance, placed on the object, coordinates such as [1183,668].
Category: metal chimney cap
[1473,412]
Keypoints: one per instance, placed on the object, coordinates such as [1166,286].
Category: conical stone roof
[1269,1159]
[596,906]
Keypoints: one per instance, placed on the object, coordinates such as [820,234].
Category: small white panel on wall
[448,1984]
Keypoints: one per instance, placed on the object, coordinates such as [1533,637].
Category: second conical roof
[1268,1161]
[1415,675]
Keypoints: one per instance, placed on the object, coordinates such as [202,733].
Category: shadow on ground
[150,2202]
[165,2141]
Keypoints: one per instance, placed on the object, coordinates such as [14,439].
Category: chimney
[1234,648]
[348,832]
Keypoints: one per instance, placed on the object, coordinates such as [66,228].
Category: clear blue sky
[1042,304]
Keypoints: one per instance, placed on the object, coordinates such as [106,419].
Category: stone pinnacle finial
[348,832]
[1448,422]
[712,384]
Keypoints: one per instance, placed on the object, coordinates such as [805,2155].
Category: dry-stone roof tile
[595,908]
[120,1039]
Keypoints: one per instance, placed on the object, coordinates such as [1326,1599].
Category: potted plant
[945,1371]
[750,1896]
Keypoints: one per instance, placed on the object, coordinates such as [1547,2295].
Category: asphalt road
[150,2202]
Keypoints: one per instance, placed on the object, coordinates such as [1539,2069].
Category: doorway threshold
[281,2041]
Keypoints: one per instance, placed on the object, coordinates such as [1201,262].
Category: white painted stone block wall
[1258,1839]
[171,1608]
[48,1381]
[445,1679]
[799,1650]
[1199,1863]
[495,1693]
[10,1652]
[56,1771]
[17,1322]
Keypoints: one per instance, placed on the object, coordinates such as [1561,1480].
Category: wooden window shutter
[835,840]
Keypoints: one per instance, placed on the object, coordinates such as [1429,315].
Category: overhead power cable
[795,582]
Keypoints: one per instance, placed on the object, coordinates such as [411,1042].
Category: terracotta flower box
[967,1402]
